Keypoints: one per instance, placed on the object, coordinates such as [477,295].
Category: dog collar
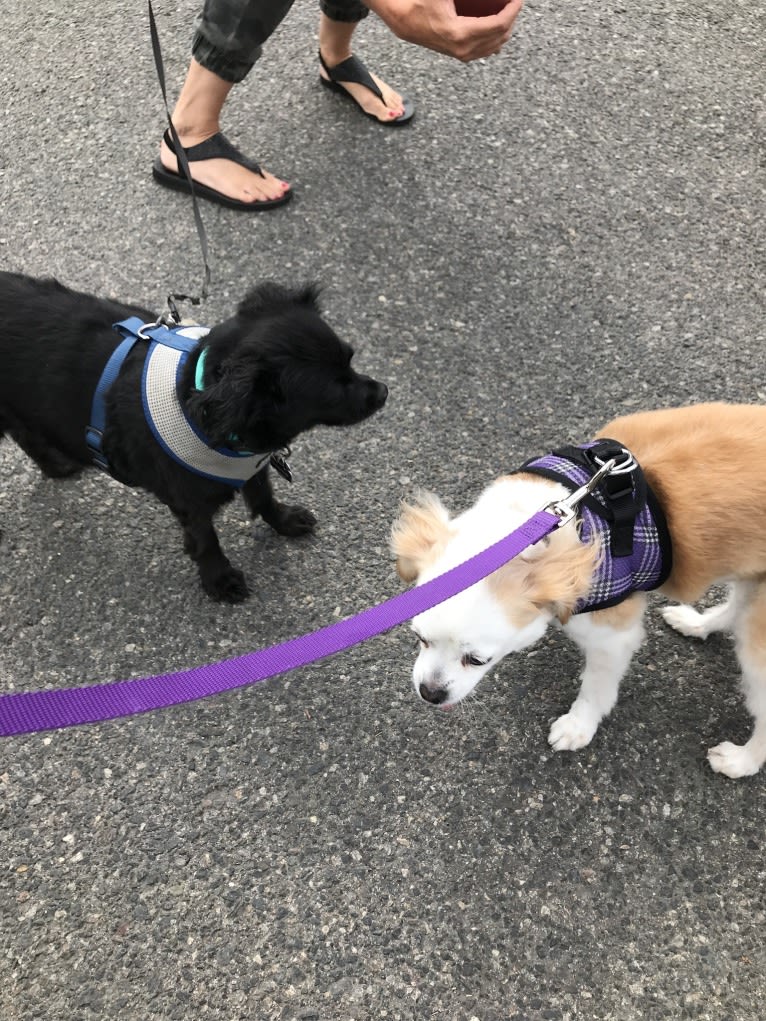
[622,513]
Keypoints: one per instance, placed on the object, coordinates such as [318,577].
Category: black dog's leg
[219,579]
[48,459]
[287,519]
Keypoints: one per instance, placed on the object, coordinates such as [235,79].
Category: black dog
[271,372]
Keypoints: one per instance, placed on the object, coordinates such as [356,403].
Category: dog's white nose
[433,695]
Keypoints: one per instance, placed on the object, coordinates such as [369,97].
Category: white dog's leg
[691,622]
[736,760]
[609,639]
[744,760]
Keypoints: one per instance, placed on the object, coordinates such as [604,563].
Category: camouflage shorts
[229,34]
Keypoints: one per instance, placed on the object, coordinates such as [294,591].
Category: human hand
[436,25]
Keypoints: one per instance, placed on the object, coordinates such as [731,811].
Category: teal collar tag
[199,372]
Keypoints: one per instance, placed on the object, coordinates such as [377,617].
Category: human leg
[227,42]
[337,23]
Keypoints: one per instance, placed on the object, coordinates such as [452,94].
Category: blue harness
[177,435]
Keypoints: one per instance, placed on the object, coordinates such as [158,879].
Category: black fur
[272,371]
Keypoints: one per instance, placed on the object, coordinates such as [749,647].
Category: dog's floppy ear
[558,574]
[243,393]
[269,298]
[419,535]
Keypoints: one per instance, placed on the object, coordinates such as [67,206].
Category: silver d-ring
[148,326]
[624,466]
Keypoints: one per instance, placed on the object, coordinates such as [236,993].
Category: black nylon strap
[217,147]
[184,165]
[625,495]
[352,71]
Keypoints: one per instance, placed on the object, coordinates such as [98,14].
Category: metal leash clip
[170,319]
[565,509]
[280,463]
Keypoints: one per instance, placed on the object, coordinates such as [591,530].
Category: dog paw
[292,520]
[732,760]
[686,620]
[227,587]
[570,732]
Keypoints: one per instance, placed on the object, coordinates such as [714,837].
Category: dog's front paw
[733,760]
[572,731]
[227,586]
[686,619]
[291,520]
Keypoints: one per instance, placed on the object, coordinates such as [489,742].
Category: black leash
[184,165]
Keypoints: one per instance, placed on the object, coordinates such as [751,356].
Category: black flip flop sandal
[217,147]
[353,70]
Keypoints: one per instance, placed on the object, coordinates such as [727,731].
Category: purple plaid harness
[622,512]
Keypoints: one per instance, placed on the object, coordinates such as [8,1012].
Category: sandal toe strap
[351,70]
[217,147]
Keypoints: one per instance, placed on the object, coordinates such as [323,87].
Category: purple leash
[29,711]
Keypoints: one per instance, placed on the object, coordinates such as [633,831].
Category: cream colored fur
[707,466]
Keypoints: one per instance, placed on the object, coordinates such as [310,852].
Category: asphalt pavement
[566,232]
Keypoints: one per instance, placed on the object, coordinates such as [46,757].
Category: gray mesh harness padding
[179,437]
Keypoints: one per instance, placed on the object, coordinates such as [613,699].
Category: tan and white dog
[706,465]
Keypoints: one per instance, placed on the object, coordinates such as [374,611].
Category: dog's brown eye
[422,641]
[470,660]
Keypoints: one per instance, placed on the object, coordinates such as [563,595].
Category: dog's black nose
[433,695]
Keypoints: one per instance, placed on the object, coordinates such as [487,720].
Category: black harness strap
[624,495]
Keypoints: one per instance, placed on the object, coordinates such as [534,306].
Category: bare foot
[231,179]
